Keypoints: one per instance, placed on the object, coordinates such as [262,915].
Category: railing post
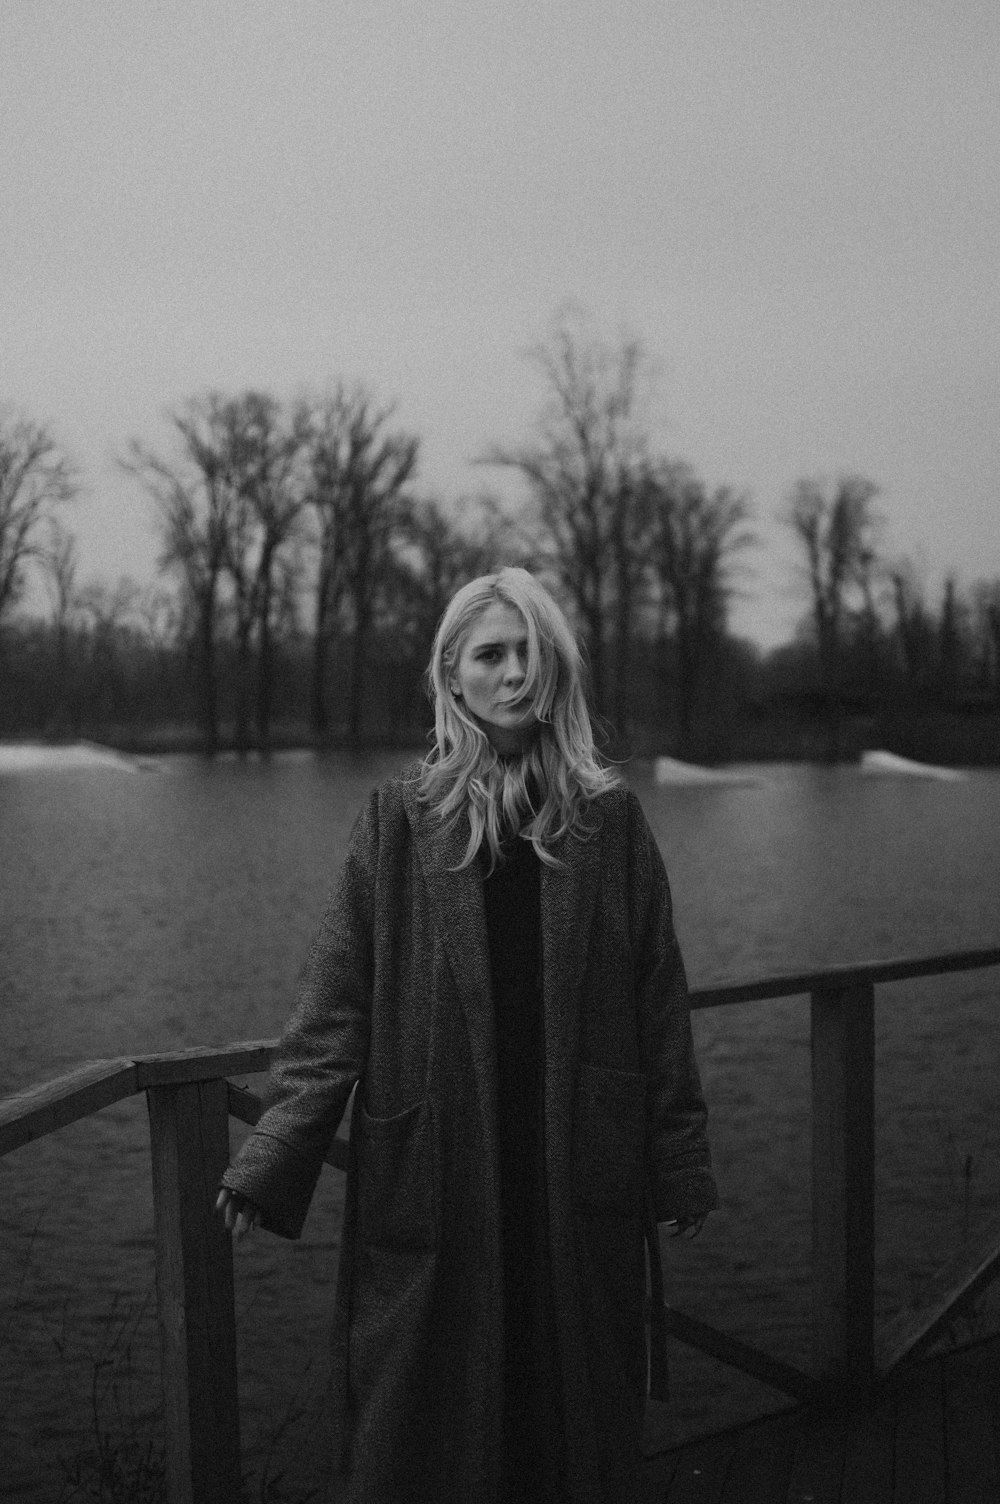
[189,1139]
[843,1184]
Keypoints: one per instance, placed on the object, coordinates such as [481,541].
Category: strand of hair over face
[543,793]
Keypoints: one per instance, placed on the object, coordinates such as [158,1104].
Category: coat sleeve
[322,1052]
[680,1168]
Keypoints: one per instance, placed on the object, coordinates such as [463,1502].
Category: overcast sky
[795,204]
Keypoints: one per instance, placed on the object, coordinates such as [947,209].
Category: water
[150,911]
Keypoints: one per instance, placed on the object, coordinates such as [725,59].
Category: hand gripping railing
[190,1102]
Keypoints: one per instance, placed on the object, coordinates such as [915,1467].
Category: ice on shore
[36,757]
[887,763]
[667,770]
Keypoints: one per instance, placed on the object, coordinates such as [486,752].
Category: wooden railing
[190,1102]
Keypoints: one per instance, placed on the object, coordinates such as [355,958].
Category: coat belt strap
[659,1379]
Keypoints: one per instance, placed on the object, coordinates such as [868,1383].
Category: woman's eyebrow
[501,642]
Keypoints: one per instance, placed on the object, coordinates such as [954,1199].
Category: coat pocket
[397,1178]
[609,1141]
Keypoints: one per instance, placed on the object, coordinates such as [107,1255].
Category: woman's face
[490,671]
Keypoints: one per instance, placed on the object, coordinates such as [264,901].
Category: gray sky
[795,203]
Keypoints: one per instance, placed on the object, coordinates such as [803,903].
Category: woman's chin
[513,734]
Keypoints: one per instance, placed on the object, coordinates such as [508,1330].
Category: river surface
[149,911]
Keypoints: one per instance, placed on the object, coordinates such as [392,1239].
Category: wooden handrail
[794,984]
[943,1297]
[55,1104]
[190,1102]
[98,1083]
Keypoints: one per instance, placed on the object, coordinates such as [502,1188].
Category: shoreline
[958,742]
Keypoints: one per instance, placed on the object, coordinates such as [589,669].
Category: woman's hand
[685,1227]
[239,1214]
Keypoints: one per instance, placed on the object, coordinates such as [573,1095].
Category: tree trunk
[265,654]
[265,680]
[590,610]
[206,673]
[319,719]
[685,691]
[830,660]
[242,708]
[59,719]
[356,692]
[623,650]
[318,716]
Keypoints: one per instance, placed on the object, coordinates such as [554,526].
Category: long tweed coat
[396,995]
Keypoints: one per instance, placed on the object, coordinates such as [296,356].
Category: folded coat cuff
[278,1178]
[689,1192]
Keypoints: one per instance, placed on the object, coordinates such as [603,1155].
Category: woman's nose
[513,670]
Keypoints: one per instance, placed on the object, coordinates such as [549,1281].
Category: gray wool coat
[396,996]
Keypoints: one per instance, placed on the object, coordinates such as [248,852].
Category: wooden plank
[42,1109]
[189,1136]
[741,1355]
[972,1423]
[247,1107]
[201,1064]
[702,1467]
[920,1476]
[869,1452]
[818,1464]
[843,1185]
[838,978]
[941,1298]
[655,1478]
[761,1467]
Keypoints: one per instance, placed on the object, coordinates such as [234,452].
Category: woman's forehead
[498,623]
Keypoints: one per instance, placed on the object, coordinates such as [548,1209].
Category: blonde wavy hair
[544,791]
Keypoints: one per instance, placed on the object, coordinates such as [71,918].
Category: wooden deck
[932,1437]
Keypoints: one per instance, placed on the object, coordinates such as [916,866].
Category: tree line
[302,570]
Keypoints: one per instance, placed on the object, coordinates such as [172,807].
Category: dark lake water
[149,911]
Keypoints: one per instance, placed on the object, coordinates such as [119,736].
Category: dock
[931,1436]
[877,1416]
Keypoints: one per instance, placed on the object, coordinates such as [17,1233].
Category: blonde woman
[498,972]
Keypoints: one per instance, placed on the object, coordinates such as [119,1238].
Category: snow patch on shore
[667,770]
[888,764]
[36,757]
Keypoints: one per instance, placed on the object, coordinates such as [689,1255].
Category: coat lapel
[568,899]
[457,903]
[569,896]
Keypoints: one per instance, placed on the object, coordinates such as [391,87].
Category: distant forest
[302,570]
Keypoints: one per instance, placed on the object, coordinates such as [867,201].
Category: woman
[498,970]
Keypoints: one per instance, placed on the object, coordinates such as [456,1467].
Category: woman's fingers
[690,1227]
[239,1214]
[247,1220]
[685,1227]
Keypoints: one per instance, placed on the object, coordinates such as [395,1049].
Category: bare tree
[696,537]
[837,534]
[581,471]
[951,639]
[228,507]
[358,471]
[59,561]
[985,601]
[108,613]
[195,505]
[35,478]
[914,626]
[445,548]
[259,454]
